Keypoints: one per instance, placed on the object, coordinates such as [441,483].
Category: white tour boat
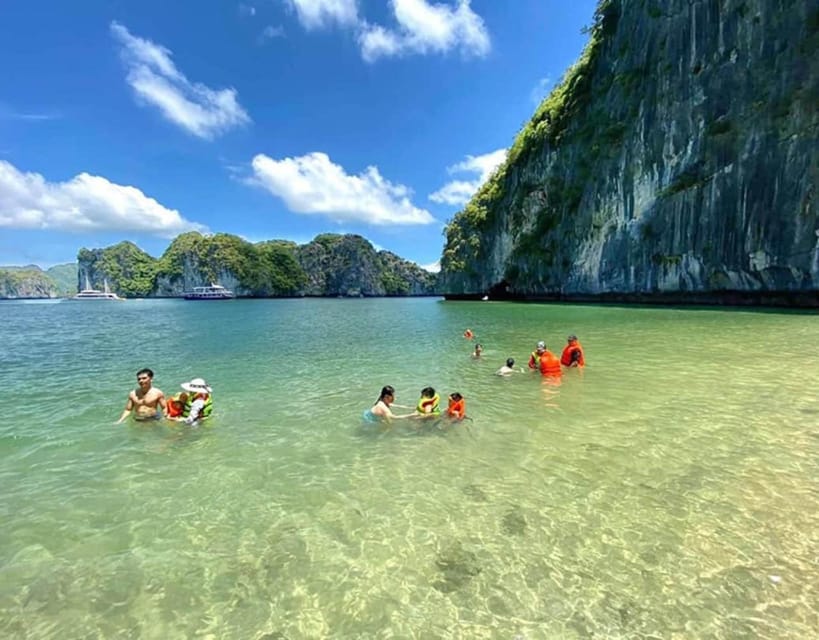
[212,292]
[95,294]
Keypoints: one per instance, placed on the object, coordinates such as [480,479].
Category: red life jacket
[566,357]
[550,365]
[176,406]
[456,408]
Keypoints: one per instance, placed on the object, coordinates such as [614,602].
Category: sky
[267,119]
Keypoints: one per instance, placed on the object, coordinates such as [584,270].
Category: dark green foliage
[26,282]
[271,268]
[65,278]
[718,127]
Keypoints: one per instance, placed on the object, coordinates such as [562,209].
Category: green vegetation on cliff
[547,127]
[331,264]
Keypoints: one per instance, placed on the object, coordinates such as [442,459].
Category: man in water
[508,369]
[534,358]
[146,401]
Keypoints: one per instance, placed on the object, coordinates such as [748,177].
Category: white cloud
[426,28]
[313,184]
[458,192]
[315,14]
[434,267]
[84,203]
[198,109]
[247,9]
[270,32]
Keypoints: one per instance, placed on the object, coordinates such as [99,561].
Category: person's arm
[532,364]
[126,411]
[163,404]
[196,409]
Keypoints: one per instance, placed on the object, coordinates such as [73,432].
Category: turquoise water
[671,491]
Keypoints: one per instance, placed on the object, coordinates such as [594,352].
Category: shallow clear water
[671,491]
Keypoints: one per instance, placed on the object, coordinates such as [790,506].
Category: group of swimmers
[428,407]
[192,404]
[541,359]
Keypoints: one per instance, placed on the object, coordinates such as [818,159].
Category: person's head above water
[386,392]
[428,392]
[456,396]
[572,338]
[541,346]
[510,362]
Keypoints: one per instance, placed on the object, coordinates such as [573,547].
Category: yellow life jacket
[429,406]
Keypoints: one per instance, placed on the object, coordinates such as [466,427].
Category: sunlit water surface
[672,491]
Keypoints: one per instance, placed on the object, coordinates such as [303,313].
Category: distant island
[331,265]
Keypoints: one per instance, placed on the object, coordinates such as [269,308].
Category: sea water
[671,490]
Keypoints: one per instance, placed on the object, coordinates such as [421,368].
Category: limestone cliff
[32,282]
[26,282]
[678,160]
[330,265]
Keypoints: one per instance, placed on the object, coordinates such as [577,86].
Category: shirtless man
[146,400]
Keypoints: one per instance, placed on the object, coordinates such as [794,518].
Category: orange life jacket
[550,365]
[456,408]
[176,406]
[566,357]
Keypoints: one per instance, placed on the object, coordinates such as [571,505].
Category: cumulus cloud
[315,14]
[426,28]
[422,26]
[270,32]
[433,267]
[198,109]
[84,203]
[458,192]
[313,184]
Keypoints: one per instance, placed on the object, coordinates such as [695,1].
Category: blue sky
[268,119]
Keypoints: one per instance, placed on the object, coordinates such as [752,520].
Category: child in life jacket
[457,406]
[175,406]
[428,404]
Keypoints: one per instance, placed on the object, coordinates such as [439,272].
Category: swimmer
[478,351]
[572,355]
[147,402]
[457,406]
[508,369]
[428,404]
[381,411]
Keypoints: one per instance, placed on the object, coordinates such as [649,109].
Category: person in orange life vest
[457,406]
[573,354]
[534,358]
[549,364]
[175,405]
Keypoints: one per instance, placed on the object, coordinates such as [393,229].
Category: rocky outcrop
[26,282]
[32,282]
[677,161]
[330,265]
[348,265]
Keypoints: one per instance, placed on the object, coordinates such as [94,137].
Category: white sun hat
[197,385]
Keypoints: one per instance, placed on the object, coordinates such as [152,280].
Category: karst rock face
[678,160]
[330,265]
